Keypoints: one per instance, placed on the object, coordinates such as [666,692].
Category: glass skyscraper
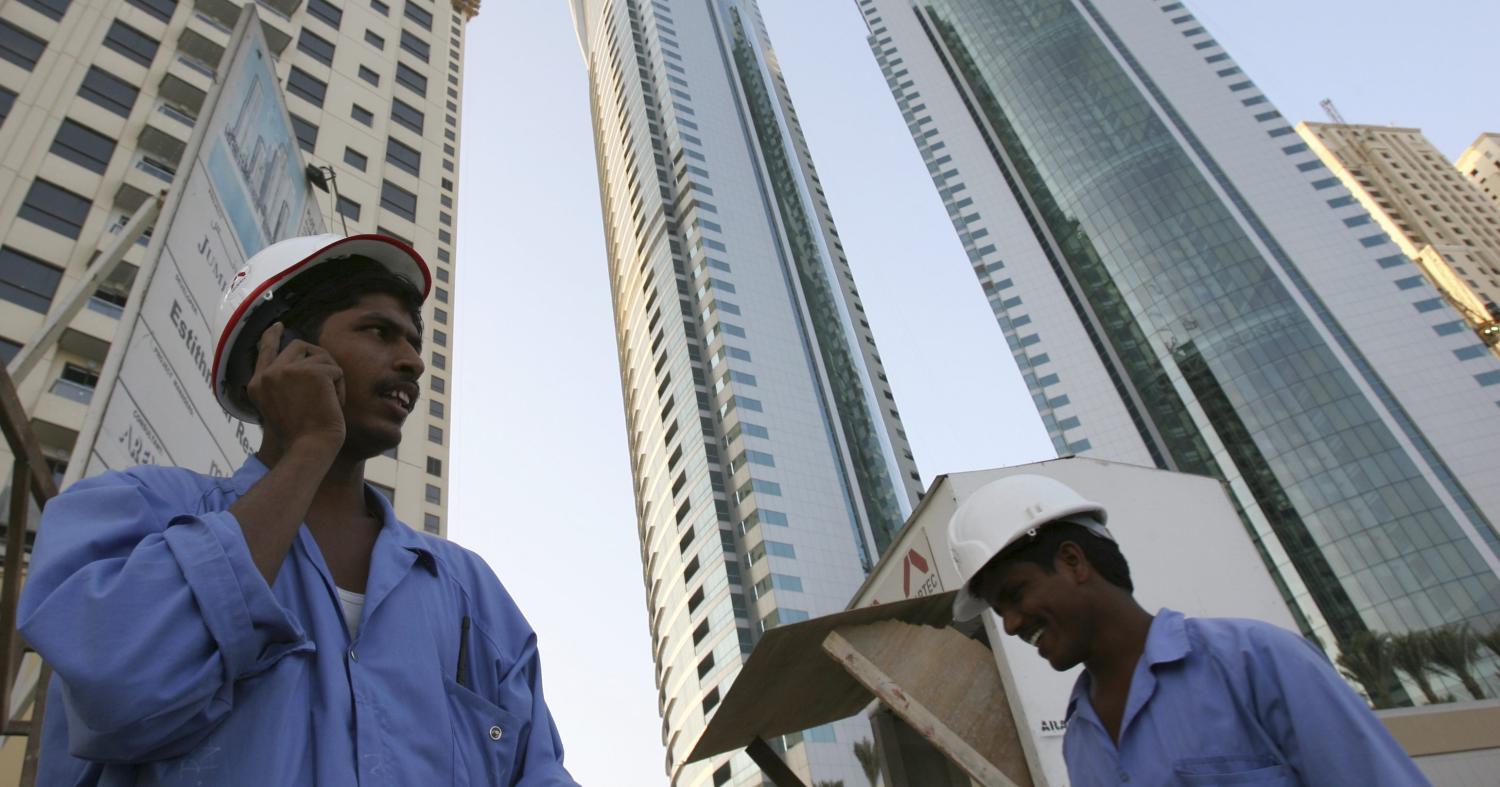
[1184,284]
[769,462]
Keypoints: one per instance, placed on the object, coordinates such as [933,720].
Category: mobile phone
[289,335]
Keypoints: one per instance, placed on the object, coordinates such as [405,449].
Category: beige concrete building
[97,102]
[1433,214]
[1480,163]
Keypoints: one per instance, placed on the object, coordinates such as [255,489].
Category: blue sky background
[541,481]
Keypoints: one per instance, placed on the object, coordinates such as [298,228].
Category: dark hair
[1103,554]
[335,286]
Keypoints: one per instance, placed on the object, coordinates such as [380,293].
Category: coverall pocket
[1237,770]
[485,738]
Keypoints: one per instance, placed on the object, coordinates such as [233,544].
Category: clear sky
[541,480]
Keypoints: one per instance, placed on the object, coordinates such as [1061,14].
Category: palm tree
[1367,659]
[1455,648]
[1491,640]
[864,751]
[1412,654]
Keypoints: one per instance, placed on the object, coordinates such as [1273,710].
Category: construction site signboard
[239,188]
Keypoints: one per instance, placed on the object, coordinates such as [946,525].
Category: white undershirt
[353,605]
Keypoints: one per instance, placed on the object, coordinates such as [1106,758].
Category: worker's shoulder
[459,562]
[475,576]
[1246,637]
[168,483]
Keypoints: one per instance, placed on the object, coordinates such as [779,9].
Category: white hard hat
[251,304]
[1003,513]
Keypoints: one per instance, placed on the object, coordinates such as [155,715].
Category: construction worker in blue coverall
[1163,699]
[281,626]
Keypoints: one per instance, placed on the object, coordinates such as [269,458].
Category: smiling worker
[281,626]
[1162,699]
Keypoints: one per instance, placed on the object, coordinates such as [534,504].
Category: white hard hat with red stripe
[251,303]
[1003,513]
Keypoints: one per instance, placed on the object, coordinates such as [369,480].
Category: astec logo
[914,560]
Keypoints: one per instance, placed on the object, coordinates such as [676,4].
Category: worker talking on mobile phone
[281,626]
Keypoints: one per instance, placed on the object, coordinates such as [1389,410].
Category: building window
[76,383]
[430,523]
[415,45]
[439,338]
[434,494]
[7,100]
[418,15]
[8,350]
[444,256]
[411,80]
[348,208]
[397,200]
[355,159]
[131,43]
[442,273]
[442,295]
[161,9]
[52,9]
[435,408]
[403,156]
[83,146]
[380,8]
[325,11]
[27,281]
[107,90]
[55,208]
[435,434]
[406,115]
[434,466]
[391,234]
[309,87]
[318,47]
[440,316]
[362,115]
[19,46]
[439,385]
[307,133]
[369,76]
[439,361]
[374,40]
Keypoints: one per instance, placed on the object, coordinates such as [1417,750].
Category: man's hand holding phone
[298,389]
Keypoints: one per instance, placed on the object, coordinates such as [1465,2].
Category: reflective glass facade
[1224,371]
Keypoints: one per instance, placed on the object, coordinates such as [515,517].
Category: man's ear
[1072,563]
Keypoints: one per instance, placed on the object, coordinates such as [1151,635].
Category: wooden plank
[772,765]
[17,428]
[10,596]
[788,684]
[945,686]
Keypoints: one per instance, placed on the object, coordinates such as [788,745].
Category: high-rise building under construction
[769,462]
[97,103]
